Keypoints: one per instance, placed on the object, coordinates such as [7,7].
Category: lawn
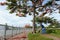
[57,33]
[37,36]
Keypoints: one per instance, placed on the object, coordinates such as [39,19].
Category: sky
[12,19]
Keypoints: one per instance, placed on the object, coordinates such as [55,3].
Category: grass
[57,33]
[54,32]
[37,36]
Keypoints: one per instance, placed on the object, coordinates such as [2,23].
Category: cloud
[12,19]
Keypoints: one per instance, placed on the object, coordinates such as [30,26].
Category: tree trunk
[34,30]
[34,23]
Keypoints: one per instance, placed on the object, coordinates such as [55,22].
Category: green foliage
[11,0]
[57,33]
[52,21]
[50,31]
[13,5]
[44,20]
[37,36]
[54,25]
[25,11]
[16,6]
[48,3]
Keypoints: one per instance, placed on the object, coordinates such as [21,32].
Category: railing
[7,33]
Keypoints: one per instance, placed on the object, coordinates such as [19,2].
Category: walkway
[22,36]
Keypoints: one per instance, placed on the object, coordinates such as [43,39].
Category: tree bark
[34,30]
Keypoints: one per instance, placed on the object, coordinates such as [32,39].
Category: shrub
[50,31]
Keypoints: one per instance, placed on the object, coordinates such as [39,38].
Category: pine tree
[23,7]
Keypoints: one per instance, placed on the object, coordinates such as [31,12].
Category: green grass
[57,33]
[54,32]
[37,36]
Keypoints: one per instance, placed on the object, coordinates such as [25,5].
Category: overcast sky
[12,19]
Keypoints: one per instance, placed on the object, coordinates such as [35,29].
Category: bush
[50,31]
[37,36]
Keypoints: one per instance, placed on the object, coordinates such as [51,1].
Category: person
[42,25]
[43,30]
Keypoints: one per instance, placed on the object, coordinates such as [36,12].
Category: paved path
[22,36]
[50,36]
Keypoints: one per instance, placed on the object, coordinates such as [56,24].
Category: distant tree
[28,26]
[55,25]
[51,21]
[23,7]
